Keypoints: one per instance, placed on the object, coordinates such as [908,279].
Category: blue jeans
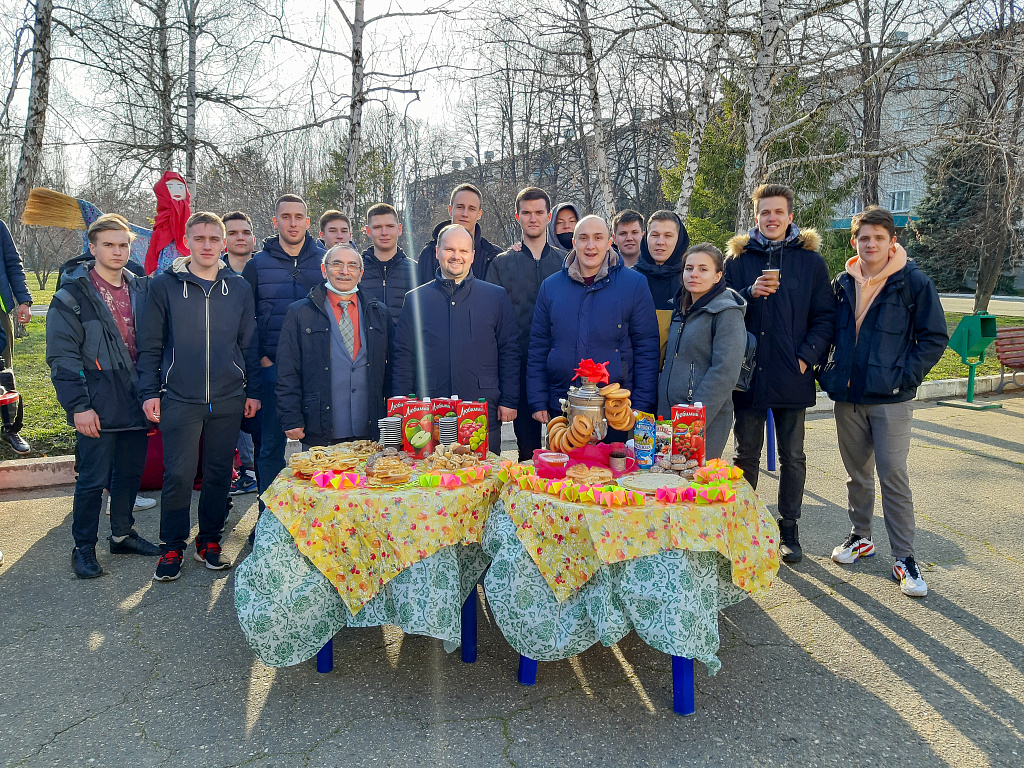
[114,458]
[271,459]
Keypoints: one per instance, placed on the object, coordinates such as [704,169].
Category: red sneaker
[210,554]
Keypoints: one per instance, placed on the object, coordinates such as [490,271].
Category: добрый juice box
[417,428]
[472,416]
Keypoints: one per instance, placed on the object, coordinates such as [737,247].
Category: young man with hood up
[520,272]
[791,311]
[465,208]
[890,332]
[661,262]
[282,273]
[198,375]
[592,308]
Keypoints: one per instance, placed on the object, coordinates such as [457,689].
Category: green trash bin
[971,338]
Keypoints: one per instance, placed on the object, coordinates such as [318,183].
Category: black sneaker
[17,442]
[83,560]
[133,545]
[168,568]
[210,554]
[244,483]
[789,549]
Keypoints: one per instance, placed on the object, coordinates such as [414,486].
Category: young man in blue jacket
[282,273]
[198,374]
[891,330]
[593,308]
[91,350]
[458,336]
[791,311]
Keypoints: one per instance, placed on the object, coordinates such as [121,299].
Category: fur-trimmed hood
[808,239]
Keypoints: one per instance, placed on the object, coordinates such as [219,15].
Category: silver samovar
[586,401]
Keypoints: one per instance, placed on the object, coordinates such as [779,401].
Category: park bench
[1010,353]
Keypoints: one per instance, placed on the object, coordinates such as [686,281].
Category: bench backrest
[1010,347]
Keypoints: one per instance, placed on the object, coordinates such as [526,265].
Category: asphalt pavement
[833,667]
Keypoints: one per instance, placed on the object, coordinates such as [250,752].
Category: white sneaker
[854,547]
[141,503]
[909,578]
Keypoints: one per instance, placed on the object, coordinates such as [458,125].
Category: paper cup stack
[447,429]
[391,431]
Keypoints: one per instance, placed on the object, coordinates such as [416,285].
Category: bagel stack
[564,437]
[618,409]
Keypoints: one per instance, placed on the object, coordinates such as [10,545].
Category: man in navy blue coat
[457,335]
[593,308]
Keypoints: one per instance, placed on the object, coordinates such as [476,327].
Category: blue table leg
[527,671]
[469,628]
[682,686]
[325,657]
[771,441]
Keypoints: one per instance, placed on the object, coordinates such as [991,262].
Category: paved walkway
[834,667]
[1010,306]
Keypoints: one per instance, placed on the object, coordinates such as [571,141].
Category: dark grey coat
[702,364]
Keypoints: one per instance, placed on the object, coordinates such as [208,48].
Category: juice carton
[441,406]
[472,416]
[396,405]
[644,436]
[663,441]
[417,428]
[688,422]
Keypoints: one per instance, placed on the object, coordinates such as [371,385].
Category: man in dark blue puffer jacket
[282,273]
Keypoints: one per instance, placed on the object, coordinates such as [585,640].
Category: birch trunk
[191,6]
[761,85]
[165,94]
[355,112]
[604,182]
[35,119]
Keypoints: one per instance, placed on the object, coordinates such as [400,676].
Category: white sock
[118,539]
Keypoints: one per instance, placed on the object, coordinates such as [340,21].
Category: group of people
[306,339]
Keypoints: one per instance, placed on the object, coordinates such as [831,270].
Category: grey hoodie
[552,237]
[702,364]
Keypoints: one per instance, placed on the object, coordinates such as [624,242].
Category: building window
[899,201]
[856,205]
[901,116]
[902,161]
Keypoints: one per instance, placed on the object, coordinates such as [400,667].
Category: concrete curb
[18,474]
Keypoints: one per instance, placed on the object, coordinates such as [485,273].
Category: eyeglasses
[344,266]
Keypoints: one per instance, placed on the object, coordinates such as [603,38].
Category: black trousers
[113,460]
[789,431]
[183,425]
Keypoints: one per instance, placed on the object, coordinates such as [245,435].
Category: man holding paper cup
[791,311]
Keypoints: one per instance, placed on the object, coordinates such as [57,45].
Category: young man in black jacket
[458,336]
[791,311]
[389,274]
[91,350]
[465,207]
[520,272]
[337,323]
[198,374]
[891,330]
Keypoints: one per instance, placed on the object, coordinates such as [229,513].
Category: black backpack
[749,364]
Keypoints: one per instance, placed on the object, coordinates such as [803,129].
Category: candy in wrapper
[644,435]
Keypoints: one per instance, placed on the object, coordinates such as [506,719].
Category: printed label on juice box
[472,416]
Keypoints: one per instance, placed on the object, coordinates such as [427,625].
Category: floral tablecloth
[361,538]
[288,609]
[671,599]
[570,541]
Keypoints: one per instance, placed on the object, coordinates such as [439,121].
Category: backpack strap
[67,298]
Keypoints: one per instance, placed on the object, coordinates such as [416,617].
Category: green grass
[41,297]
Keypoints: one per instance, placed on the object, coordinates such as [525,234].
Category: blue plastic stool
[325,657]
[469,628]
[771,441]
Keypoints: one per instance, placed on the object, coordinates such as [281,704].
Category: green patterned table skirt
[288,610]
[671,599]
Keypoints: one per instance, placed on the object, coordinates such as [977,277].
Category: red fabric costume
[169,226]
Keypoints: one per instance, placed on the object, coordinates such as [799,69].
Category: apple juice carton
[688,423]
[396,405]
[440,407]
[417,428]
[472,421]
